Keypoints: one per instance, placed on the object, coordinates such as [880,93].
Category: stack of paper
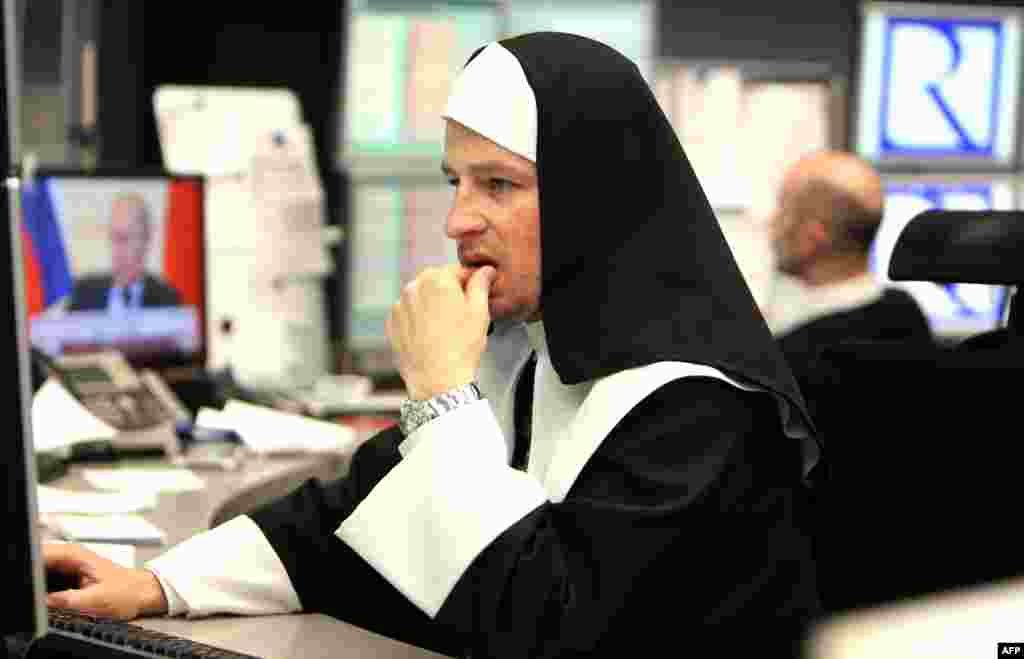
[119,529]
[144,481]
[53,500]
[266,430]
[267,240]
[60,420]
[201,128]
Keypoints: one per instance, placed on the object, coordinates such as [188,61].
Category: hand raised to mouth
[438,328]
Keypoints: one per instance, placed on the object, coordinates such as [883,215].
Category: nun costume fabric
[634,476]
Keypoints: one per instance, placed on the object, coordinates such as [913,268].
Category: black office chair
[982,247]
[924,453]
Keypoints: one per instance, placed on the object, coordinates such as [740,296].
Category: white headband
[492,97]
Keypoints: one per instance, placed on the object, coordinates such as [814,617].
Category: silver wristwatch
[414,413]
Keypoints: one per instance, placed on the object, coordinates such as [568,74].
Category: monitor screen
[396,230]
[939,86]
[953,310]
[115,260]
[400,61]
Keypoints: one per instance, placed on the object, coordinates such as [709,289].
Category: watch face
[415,413]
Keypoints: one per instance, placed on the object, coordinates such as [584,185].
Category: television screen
[939,86]
[115,260]
[953,310]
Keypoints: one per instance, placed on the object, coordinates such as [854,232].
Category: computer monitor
[400,59]
[953,310]
[939,86]
[23,583]
[24,586]
[396,230]
[114,259]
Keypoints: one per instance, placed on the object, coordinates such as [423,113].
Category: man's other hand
[105,589]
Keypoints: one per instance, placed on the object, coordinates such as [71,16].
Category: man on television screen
[127,286]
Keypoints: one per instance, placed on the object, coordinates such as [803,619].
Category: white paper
[207,417]
[278,335]
[228,209]
[122,529]
[275,348]
[288,204]
[370,404]
[282,164]
[266,430]
[212,130]
[144,480]
[123,555]
[268,249]
[294,255]
[60,420]
[53,500]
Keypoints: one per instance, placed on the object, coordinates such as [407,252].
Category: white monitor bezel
[865,124]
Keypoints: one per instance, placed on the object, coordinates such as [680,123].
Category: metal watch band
[414,413]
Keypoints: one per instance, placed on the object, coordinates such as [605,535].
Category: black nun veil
[635,267]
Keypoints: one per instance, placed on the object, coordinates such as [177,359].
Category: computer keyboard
[74,634]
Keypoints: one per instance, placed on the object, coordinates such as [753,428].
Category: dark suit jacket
[895,316]
[90,293]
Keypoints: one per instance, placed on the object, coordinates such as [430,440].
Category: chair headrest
[965,247]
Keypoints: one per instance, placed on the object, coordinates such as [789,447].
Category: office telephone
[109,387]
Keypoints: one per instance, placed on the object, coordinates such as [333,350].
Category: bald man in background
[829,209]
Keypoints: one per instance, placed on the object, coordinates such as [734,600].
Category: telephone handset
[109,387]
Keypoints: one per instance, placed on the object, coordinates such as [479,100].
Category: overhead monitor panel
[400,61]
[939,87]
[397,229]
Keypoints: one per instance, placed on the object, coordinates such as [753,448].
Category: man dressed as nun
[602,451]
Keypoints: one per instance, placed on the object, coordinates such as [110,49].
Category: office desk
[182,514]
[309,636]
[968,622]
[227,493]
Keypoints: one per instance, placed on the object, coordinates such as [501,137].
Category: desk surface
[182,514]
[970,622]
[226,493]
[309,636]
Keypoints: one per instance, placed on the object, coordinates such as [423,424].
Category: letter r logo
[941,86]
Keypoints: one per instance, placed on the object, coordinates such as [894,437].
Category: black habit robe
[894,317]
[683,527]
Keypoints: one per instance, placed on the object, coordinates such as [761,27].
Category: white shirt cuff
[175,605]
[208,574]
[448,421]
[450,496]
